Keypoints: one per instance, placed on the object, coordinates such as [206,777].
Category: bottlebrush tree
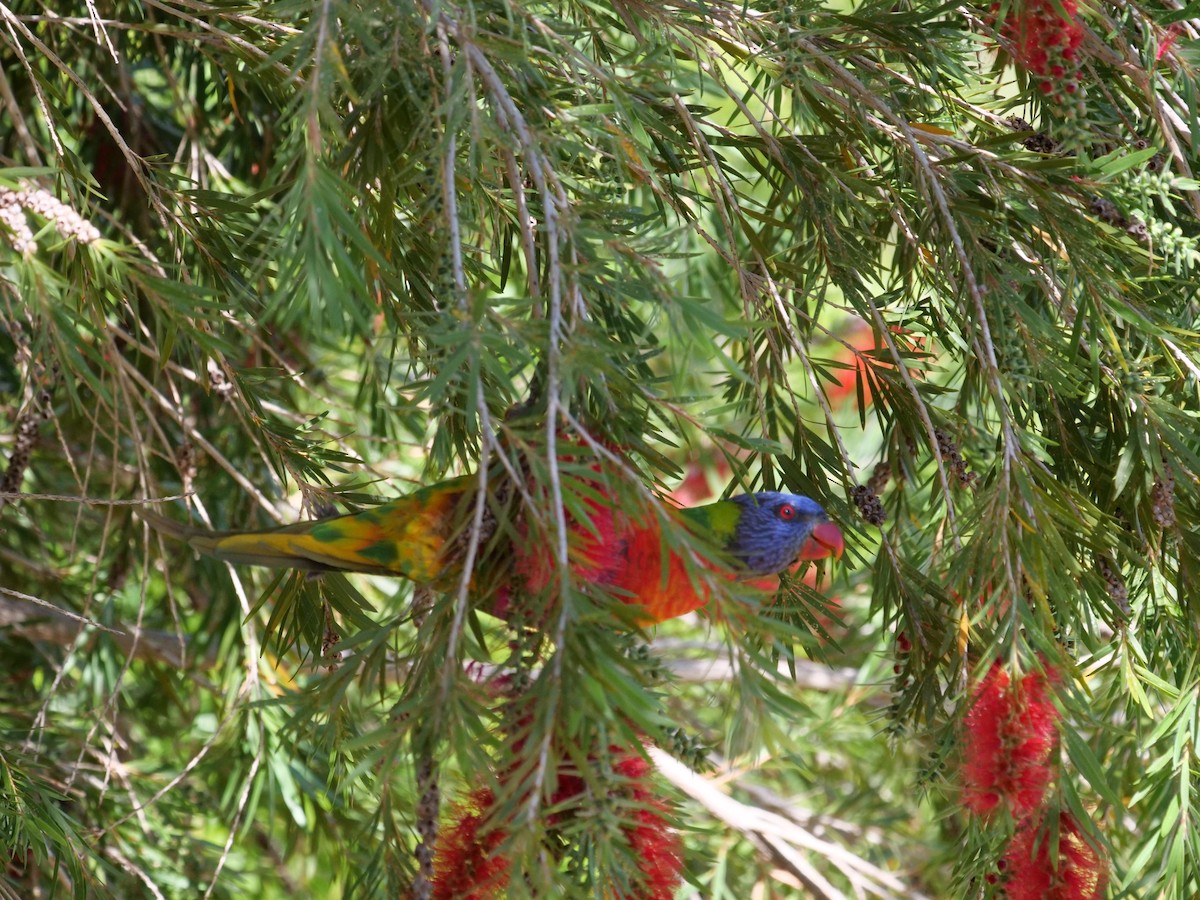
[932,266]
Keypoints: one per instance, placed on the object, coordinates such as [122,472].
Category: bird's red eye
[787,512]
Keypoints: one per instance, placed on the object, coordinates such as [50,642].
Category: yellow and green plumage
[406,537]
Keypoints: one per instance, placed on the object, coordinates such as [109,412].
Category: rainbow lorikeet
[422,537]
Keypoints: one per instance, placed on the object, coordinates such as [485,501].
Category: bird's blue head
[772,528]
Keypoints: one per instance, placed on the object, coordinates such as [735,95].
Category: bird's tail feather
[263,548]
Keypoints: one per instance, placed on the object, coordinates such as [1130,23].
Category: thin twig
[782,838]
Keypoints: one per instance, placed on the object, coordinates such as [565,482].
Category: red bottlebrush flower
[467,865]
[983,730]
[862,353]
[697,486]
[1081,873]
[1045,43]
[858,339]
[653,841]
[1010,736]
[655,845]
[1168,41]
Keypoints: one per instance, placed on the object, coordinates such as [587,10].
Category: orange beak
[826,540]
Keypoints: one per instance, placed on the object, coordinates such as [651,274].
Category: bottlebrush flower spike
[1044,36]
[653,841]
[1010,736]
[467,865]
[1081,874]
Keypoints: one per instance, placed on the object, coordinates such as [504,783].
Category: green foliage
[288,258]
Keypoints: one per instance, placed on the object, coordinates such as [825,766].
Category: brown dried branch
[783,840]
